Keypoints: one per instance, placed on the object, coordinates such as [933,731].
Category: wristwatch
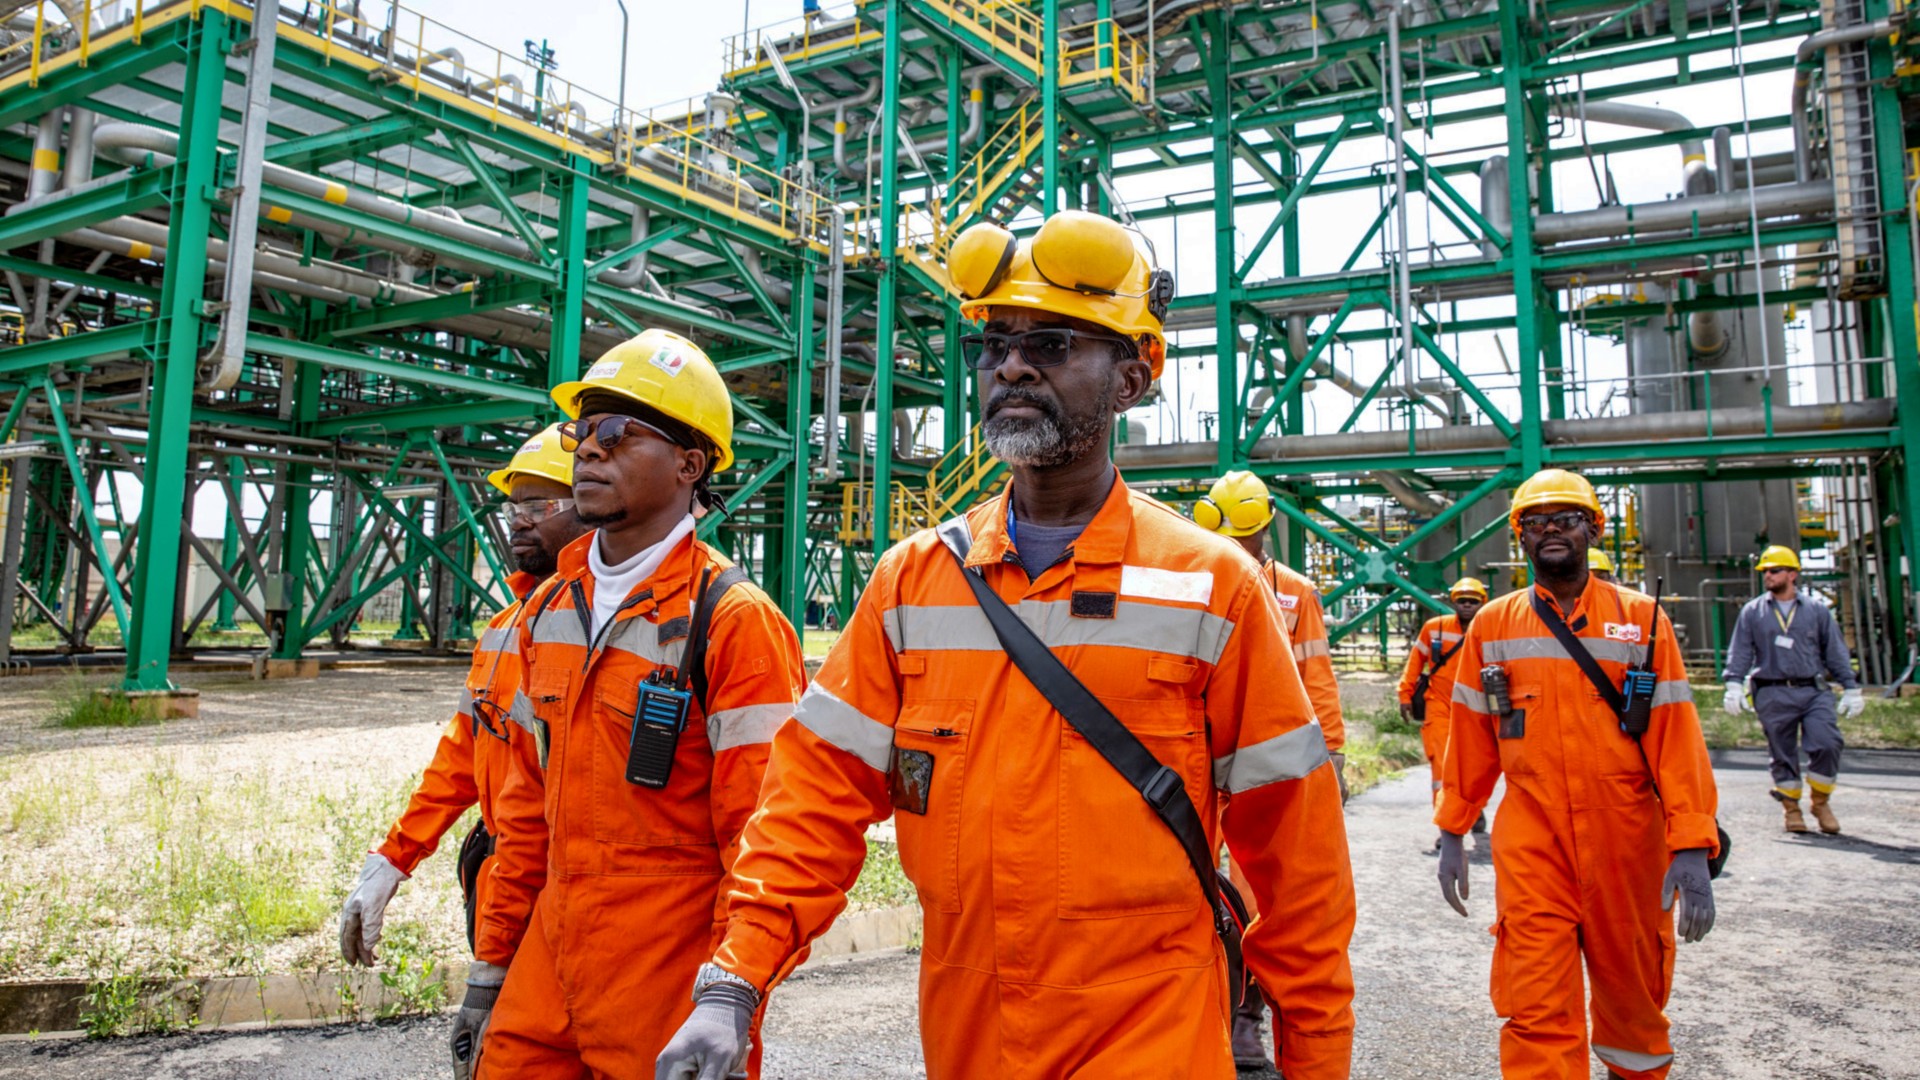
[711,974]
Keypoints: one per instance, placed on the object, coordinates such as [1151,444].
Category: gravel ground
[1809,971]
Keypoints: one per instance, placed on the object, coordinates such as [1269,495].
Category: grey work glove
[470,1023]
[1852,704]
[1735,702]
[366,909]
[713,1043]
[1453,870]
[1689,881]
[1340,773]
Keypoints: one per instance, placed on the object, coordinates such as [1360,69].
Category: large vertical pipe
[836,320]
[1403,272]
[43,176]
[220,366]
[886,308]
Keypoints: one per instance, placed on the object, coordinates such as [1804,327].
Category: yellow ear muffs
[1083,252]
[1252,514]
[1206,514]
[980,258]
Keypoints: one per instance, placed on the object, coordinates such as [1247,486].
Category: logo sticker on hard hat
[533,446]
[668,359]
[605,369]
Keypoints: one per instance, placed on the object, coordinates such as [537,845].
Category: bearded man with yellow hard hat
[471,763]
[1788,647]
[1070,928]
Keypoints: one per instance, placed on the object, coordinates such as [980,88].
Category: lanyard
[1786,624]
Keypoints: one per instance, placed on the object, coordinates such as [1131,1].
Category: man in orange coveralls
[1435,657]
[1066,934]
[469,766]
[1238,505]
[1598,832]
[652,758]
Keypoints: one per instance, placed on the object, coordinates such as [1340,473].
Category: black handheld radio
[659,714]
[1639,683]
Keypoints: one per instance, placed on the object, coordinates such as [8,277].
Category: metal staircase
[962,476]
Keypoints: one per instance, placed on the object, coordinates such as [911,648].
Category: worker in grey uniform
[1789,647]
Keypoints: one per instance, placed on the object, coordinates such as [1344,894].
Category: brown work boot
[1823,814]
[1249,1053]
[1795,822]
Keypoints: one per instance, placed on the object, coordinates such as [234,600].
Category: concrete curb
[51,1008]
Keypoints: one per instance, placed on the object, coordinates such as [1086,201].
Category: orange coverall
[1581,843]
[1439,636]
[1307,626]
[470,765]
[637,878]
[1065,934]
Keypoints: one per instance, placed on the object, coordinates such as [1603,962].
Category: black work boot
[1249,1053]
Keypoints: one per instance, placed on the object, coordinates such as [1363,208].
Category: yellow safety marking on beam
[336,193]
[280,214]
[138,250]
[465,286]
[46,160]
[1691,158]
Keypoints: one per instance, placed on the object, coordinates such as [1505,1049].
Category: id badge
[910,781]
[1782,641]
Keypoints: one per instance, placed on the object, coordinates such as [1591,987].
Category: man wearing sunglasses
[470,764]
[1788,647]
[1066,931]
[652,757]
[1599,830]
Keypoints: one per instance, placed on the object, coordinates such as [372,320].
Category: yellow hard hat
[663,371]
[1078,264]
[1469,586]
[1778,555]
[538,456]
[1598,559]
[1238,504]
[1556,487]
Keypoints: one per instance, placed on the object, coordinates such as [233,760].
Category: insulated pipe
[975,129]
[1404,493]
[1403,272]
[1496,201]
[1693,152]
[1723,208]
[220,365]
[1803,82]
[1637,428]
[632,274]
[42,180]
[836,306]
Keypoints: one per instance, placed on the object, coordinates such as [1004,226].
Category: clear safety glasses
[533,511]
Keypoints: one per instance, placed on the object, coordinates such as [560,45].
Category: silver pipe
[1496,201]
[836,308]
[1602,431]
[1803,82]
[1403,273]
[73,292]
[220,365]
[1722,208]
[44,178]
[1693,152]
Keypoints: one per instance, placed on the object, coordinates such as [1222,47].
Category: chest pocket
[926,783]
[625,813]
[1116,856]
[1527,724]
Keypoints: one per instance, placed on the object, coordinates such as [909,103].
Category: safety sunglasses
[1776,569]
[534,511]
[608,432]
[1564,521]
[490,716]
[1049,347]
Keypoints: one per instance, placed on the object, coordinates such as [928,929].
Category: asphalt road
[1810,970]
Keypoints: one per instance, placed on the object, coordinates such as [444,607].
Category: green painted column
[156,561]
[570,291]
[1524,259]
[1903,333]
[1225,287]
[296,549]
[1049,106]
[886,303]
[793,519]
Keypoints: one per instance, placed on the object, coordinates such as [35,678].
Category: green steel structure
[319,279]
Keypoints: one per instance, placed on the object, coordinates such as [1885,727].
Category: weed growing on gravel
[81,707]
[1379,744]
[38,806]
[415,982]
[882,882]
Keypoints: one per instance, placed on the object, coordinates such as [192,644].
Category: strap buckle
[1160,788]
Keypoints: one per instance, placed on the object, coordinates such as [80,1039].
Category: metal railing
[802,38]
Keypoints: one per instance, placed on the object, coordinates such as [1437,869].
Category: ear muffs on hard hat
[979,260]
[541,456]
[1083,252]
[1238,504]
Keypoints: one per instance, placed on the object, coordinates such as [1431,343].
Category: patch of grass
[38,807]
[1885,725]
[815,644]
[1379,745]
[107,1006]
[414,979]
[882,882]
[80,704]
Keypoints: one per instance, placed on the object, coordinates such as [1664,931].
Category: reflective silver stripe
[1189,632]
[1472,699]
[1317,647]
[498,639]
[746,725]
[1672,692]
[640,638]
[559,626]
[1631,1060]
[1283,757]
[1448,639]
[890,622]
[1547,648]
[521,713]
[466,706]
[845,727]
